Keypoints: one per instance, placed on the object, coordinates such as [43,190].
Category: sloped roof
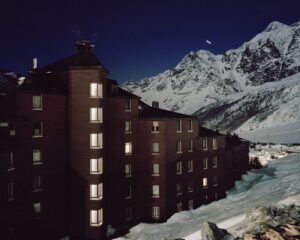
[205,132]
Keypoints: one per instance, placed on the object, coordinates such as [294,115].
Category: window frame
[178,126]
[39,106]
[35,151]
[128,148]
[179,146]
[96,191]
[99,166]
[155,127]
[98,217]
[190,165]
[96,92]
[128,126]
[155,212]
[155,148]
[190,125]
[155,191]
[179,167]
[128,170]
[98,114]
[96,140]
[41,130]
[153,168]
[205,163]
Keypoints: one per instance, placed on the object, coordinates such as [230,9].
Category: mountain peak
[274,26]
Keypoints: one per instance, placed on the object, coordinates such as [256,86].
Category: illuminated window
[205,144]
[205,163]
[127,104]
[37,102]
[37,207]
[215,161]
[155,212]
[155,191]
[96,191]
[10,191]
[37,184]
[36,156]
[190,147]
[96,140]
[96,115]
[96,90]
[10,161]
[128,148]
[178,146]
[190,165]
[190,125]
[155,147]
[4,124]
[191,204]
[204,182]
[96,217]
[128,170]
[128,126]
[215,145]
[96,165]
[155,126]
[178,188]
[179,207]
[37,130]
[178,167]
[155,169]
[178,126]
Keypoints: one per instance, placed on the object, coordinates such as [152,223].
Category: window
[215,181]
[12,130]
[190,186]
[96,90]
[190,147]
[155,147]
[10,191]
[128,126]
[191,204]
[96,140]
[128,148]
[128,193]
[178,126]
[215,145]
[215,161]
[155,126]
[178,188]
[178,146]
[10,161]
[190,125]
[205,163]
[36,156]
[127,104]
[155,169]
[37,102]
[96,191]
[128,212]
[204,144]
[37,207]
[190,165]
[37,130]
[96,217]
[179,207]
[155,191]
[96,165]
[155,212]
[178,167]
[37,184]
[204,182]
[96,115]
[4,124]
[127,170]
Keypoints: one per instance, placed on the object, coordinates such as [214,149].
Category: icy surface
[279,183]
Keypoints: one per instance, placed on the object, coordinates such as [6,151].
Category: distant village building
[80,155]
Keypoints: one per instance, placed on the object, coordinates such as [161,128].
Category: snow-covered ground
[278,183]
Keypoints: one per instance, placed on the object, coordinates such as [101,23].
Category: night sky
[133,38]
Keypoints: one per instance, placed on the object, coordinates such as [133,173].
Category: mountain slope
[252,87]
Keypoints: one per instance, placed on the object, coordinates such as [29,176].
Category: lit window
[155,212]
[10,191]
[128,148]
[96,217]
[190,147]
[128,193]
[10,161]
[178,188]
[128,126]
[204,144]
[96,165]
[190,165]
[205,163]
[190,125]
[36,156]
[215,161]
[128,212]
[191,204]
[215,180]
[127,104]
[178,167]
[155,147]
[96,90]
[155,169]
[215,145]
[155,126]
[96,140]
[128,170]
[179,207]
[190,186]
[204,182]
[37,184]
[37,102]
[4,124]
[37,129]
[155,191]
[96,191]
[37,207]
[178,146]
[96,115]
[178,126]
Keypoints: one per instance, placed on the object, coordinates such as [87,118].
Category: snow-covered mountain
[253,87]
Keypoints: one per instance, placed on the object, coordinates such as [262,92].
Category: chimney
[83,46]
[34,63]
[155,104]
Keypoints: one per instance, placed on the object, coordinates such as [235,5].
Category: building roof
[145,111]
[205,132]
[114,90]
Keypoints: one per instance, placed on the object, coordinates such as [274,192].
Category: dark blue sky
[133,38]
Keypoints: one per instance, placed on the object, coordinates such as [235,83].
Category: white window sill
[96,173]
[11,169]
[128,154]
[95,96]
[128,110]
[38,163]
[96,224]
[155,175]
[96,121]
[154,132]
[215,148]
[128,198]
[190,171]
[215,166]
[38,190]
[37,109]
[37,136]
[128,132]
[179,193]
[190,131]
[179,152]
[190,191]
[178,173]
[96,198]
[205,149]
[100,147]
[205,168]
[190,150]
[179,131]
[155,153]
[155,196]
[127,176]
